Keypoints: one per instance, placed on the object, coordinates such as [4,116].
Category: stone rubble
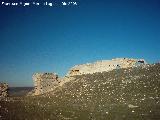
[3,90]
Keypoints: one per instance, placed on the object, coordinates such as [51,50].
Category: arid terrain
[120,94]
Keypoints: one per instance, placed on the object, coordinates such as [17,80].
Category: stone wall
[105,65]
[3,90]
[44,82]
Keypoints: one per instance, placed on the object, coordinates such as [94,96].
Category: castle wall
[44,82]
[104,65]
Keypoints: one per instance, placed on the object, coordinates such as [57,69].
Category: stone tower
[44,82]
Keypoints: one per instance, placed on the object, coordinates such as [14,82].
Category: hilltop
[128,93]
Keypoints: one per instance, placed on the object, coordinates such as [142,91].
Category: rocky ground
[122,94]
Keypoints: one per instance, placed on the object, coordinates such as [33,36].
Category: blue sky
[43,39]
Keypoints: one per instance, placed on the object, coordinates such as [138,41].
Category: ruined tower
[44,82]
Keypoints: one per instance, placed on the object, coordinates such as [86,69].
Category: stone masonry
[44,82]
[105,65]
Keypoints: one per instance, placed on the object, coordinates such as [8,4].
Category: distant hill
[19,91]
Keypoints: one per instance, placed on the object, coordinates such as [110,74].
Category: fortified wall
[44,82]
[105,65]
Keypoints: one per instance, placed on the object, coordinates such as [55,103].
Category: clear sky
[43,39]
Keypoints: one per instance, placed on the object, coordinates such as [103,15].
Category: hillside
[121,94]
